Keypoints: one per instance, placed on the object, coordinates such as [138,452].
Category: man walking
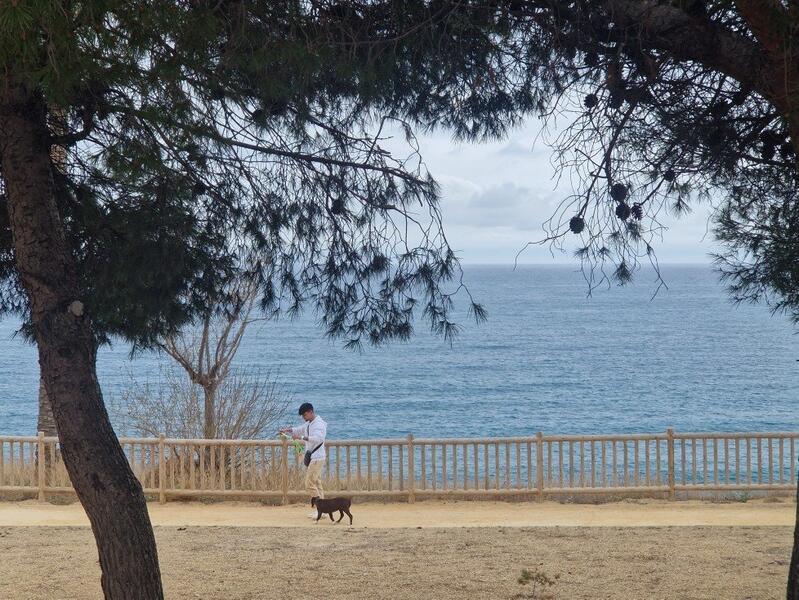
[313,433]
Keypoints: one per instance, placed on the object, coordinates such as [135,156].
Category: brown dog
[331,505]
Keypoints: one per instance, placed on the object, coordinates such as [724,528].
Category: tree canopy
[670,103]
[198,133]
[203,136]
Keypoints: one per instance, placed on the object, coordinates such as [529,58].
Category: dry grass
[335,562]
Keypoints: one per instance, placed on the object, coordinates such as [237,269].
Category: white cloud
[503,205]
[496,196]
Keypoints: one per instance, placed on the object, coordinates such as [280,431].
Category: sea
[551,357]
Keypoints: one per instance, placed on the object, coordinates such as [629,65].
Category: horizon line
[564,264]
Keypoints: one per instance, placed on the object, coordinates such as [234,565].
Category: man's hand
[296,436]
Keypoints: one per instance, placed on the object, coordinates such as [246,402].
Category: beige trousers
[313,479]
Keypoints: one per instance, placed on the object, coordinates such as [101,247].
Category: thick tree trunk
[793,569]
[97,467]
[46,421]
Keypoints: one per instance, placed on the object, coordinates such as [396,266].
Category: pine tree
[194,138]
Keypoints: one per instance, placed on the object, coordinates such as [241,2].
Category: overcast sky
[497,195]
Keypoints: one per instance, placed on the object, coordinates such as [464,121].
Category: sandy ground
[630,513]
[433,550]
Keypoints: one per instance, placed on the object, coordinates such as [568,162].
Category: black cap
[305,407]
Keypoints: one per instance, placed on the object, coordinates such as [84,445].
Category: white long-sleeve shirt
[315,431]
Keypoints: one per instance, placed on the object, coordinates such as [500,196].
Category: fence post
[284,477]
[161,470]
[411,472]
[670,443]
[41,466]
[539,465]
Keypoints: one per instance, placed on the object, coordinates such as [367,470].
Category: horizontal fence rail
[542,465]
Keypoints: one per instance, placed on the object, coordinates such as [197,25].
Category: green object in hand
[299,447]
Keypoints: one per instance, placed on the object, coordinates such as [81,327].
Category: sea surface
[548,359]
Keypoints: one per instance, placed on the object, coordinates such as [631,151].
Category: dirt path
[649,513]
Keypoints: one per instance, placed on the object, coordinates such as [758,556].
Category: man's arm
[296,432]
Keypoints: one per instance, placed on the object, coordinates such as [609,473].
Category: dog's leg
[349,514]
[331,515]
[318,516]
[340,516]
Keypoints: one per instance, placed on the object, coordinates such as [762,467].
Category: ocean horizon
[549,359]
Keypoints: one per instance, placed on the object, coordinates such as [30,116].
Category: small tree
[206,355]
[204,395]
[246,405]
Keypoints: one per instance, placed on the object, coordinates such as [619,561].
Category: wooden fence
[661,464]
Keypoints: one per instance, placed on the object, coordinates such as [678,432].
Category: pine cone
[618,191]
[337,206]
[616,101]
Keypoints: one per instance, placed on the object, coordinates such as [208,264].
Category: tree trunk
[46,421]
[97,467]
[209,412]
[46,424]
[793,569]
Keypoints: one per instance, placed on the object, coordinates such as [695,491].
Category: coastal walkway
[771,512]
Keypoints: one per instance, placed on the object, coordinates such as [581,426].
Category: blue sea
[548,359]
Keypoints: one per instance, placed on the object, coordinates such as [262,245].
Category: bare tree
[230,405]
[246,405]
[203,395]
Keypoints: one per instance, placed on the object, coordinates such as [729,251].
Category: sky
[495,197]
